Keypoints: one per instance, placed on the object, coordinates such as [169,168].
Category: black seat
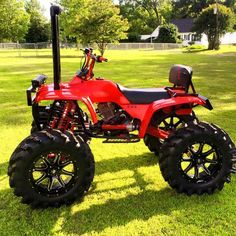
[144,96]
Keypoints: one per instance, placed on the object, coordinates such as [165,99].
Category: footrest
[122,140]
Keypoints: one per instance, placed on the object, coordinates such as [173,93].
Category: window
[196,37]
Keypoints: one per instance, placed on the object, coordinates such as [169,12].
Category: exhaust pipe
[55,12]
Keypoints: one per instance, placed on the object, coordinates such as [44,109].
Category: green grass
[128,195]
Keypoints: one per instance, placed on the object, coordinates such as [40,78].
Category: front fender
[47,92]
[171,102]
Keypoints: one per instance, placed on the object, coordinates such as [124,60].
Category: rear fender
[176,103]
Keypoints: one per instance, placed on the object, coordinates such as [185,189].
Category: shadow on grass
[17,213]
[123,163]
[20,219]
[3,169]
[47,56]
[139,207]
[232,54]
[119,212]
[102,213]
[112,213]
[195,51]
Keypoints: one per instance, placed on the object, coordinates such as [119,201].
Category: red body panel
[96,91]
[171,102]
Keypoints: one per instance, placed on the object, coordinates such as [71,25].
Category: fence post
[18,46]
[36,49]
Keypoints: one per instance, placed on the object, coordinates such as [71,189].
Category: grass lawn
[128,195]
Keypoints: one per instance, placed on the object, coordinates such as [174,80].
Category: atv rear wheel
[51,168]
[197,159]
[168,123]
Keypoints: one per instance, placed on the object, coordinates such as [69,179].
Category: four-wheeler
[54,165]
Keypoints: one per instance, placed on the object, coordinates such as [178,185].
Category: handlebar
[86,71]
[89,52]
[86,50]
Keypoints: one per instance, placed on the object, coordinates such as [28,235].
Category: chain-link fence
[24,45]
[154,46]
[40,49]
[9,46]
[121,46]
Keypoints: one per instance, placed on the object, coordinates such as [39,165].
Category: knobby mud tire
[178,142]
[20,168]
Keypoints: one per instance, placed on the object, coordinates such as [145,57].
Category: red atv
[55,165]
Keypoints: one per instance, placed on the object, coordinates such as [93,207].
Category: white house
[187,35]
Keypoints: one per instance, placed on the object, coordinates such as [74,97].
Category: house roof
[155,33]
[184,25]
[145,37]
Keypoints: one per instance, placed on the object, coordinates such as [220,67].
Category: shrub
[168,34]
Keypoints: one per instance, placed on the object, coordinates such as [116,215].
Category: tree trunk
[158,17]
[102,48]
[217,44]
[213,43]
[210,44]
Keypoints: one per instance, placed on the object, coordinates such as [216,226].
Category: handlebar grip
[101,59]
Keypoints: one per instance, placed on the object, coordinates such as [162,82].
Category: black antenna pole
[55,12]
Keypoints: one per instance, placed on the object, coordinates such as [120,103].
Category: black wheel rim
[171,123]
[53,173]
[200,163]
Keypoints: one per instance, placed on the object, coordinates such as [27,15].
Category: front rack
[36,83]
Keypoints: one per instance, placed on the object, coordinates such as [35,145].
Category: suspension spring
[66,117]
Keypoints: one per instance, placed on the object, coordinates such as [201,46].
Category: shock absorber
[64,121]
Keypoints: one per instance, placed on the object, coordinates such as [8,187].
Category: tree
[231,4]
[160,9]
[189,8]
[139,20]
[99,22]
[168,33]
[192,8]
[14,20]
[214,25]
[39,28]
[67,20]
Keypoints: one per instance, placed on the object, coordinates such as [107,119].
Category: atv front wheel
[34,128]
[168,123]
[51,168]
[197,159]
